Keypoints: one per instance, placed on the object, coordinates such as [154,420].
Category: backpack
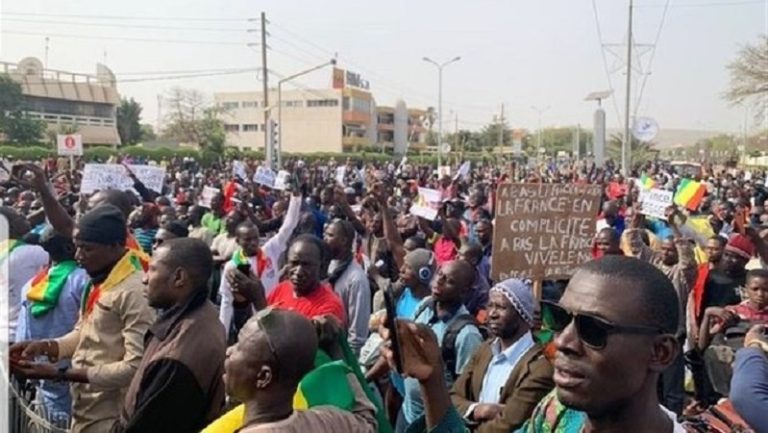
[448,345]
[717,419]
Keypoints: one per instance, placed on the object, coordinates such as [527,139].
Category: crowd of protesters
[266,310]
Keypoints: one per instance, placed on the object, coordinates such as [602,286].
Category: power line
[120,38]
[29,82]
[605,60]
[127,17]
[650,61]
[119,25]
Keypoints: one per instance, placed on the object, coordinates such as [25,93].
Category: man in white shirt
[262,261]
[19,262]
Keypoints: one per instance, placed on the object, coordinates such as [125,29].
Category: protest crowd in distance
[348,296]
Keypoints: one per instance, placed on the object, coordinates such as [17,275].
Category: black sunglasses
[592,330]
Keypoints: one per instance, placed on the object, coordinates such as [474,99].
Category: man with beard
[612,345]
[508,375]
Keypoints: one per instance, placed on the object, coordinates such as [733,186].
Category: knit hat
[422,261]
[520,294]
[104,225]
[741,246]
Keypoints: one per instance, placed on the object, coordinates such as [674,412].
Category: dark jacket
[529,382]
[178,387]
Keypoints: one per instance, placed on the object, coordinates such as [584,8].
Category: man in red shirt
[302,292]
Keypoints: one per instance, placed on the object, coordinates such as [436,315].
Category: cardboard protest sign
[654,202]
[443,170]
[265,176]
[207,196]
[426,204]
[543,231]
[114,176]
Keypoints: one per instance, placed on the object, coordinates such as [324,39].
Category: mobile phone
[390,324]
[245,269]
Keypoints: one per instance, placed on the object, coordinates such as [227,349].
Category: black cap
[103,225]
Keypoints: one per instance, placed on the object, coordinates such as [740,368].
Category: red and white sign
[70,145]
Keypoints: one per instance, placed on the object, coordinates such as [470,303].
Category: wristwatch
[61,373]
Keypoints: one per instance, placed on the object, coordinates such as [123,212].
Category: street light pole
[540,111]
[332,62]
[440,67]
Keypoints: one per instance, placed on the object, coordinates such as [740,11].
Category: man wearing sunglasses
[615,334]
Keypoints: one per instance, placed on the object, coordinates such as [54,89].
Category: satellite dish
[446,148]
[645,129]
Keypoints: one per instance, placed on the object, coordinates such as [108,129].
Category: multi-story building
[86,102]
[399,128]
[343,118]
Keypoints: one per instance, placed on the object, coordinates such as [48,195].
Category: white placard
[69,145]
[113,176]
[426,204]
[654,202]
[264,176]
[341,174]
[238,169]
[443,170]
[281,181]
[207,196]
[463,170]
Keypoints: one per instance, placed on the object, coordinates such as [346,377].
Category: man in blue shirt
[51,318]
[439,312]
[749,385]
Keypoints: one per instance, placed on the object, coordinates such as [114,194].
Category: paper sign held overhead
[265,176]
[114,176]
[69,145]
[207,196]
[654,202]
[426,204]
[282,179]
[543,231]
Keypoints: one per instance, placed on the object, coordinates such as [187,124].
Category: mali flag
[690,194]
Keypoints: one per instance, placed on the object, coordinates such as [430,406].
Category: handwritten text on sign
[543,231]
[654,202]
[114,176]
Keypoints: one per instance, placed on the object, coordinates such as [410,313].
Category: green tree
[148,132]
[17,127]
[129,121]
[749,77]
[639,151]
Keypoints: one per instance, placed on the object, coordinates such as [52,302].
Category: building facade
[87,103]
[343,118]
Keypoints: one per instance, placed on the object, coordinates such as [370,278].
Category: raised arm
[54,211]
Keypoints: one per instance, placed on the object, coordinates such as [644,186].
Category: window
[250,104]
[360,105]
[323,103]
[345,103]
[252,127]
[293,104]
[230,105]
[232,128]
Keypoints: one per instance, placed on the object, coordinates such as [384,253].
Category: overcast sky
[523,53]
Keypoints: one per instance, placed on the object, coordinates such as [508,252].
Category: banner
[113,176]
[543,231]
[654,202]
[426,204]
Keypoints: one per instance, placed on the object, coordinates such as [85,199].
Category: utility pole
[625,148]
[269,151]
[45,64]
[501,130]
